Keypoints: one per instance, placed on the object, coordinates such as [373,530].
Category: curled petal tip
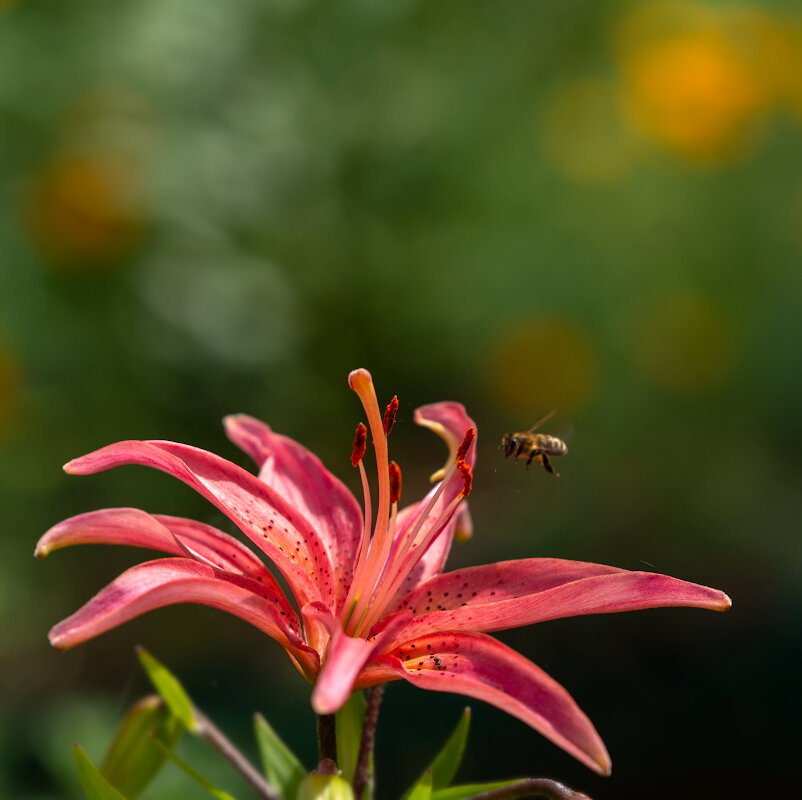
[57,640]
[322,704]
[724,603]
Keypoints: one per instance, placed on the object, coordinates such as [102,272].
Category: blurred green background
[214,207]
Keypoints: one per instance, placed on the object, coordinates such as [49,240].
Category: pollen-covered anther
[462,450]
[395,482]
[467,477]
[389,415]
[360,444]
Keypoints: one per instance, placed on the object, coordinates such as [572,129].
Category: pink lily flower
[371,602]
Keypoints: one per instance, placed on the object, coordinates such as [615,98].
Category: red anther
[395,482]
[467,477]
[389,415]
[360,444]
[462,450]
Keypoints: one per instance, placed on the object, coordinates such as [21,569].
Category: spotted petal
[271,522]
[510,594]
[345,659]
[479,666]
[167,581]
[298,475]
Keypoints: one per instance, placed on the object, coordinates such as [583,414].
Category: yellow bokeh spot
[84,210]
[582,135]
[692,80]
[540,365]
[685,343]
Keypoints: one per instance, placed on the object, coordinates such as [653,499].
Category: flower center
[383,561]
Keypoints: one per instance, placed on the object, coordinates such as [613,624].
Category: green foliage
[169,687]
[422,790]
[196,776]
[95,785]
[446,763]
[349,721]
[284,772]
[134,759]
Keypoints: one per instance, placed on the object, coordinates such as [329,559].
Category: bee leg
[519,450]
[534,454]
[544,460]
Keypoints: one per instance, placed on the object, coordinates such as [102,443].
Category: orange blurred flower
[10,380]
[692,79]
[84,210]
[540,365]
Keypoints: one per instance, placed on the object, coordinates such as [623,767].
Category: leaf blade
[94,784]
[169,687]
[283,770]
[133,759]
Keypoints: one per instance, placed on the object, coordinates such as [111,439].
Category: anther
[395,482]
[360,444]
[462,450]
[389,415]
[467,477]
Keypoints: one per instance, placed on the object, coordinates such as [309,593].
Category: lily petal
[345,659]
[450,421]
[174,535]
[167,581]
[479,666]
[510,594]
[273,524]
[298,475]
[125,526]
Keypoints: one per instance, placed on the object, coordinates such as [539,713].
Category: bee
[535,446]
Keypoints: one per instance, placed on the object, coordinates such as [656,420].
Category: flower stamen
[395,483]
[360,444]
[389,415]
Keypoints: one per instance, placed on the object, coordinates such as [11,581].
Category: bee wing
[542,420]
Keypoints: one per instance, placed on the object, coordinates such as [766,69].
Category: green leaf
[213,790]
[446,762]
[284,772]
[95,785]
[134,760]
[469,790]
[422,790]
[169,687]
[348,725]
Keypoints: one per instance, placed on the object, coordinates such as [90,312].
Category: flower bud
[324,787]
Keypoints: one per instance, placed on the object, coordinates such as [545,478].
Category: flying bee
[535,446]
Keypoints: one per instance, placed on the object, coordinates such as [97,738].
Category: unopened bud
[324,787]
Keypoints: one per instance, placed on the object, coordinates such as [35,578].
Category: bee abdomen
[553,446]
